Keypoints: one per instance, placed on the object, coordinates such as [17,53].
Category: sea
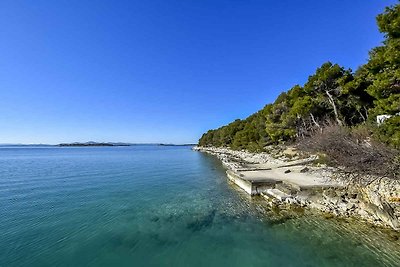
[150,205]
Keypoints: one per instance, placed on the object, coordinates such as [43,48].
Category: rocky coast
[286,177]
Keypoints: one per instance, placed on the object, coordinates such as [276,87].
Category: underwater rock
[202,222]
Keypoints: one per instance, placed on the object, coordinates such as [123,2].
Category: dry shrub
[354,152]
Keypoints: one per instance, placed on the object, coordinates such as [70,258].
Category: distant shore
[116,144]
[286,178]
[88,144]
[93,144]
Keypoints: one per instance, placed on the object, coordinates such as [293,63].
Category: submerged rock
[202,222]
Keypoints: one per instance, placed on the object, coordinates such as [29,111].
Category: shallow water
[159,206]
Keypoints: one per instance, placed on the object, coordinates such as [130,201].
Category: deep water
[160,206]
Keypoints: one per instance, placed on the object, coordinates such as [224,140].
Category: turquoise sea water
[159,206]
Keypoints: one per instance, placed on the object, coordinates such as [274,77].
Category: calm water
[159,206]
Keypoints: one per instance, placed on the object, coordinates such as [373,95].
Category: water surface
[159,206]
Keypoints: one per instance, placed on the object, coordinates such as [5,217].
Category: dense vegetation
[332,94]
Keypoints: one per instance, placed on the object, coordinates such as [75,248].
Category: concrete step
[285,188]
[293,186]
[278,194]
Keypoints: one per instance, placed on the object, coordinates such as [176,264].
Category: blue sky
[163,71]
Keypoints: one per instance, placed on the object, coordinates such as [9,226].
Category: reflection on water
[160,206]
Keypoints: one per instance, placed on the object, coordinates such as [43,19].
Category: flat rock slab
[294,178]
[278,164]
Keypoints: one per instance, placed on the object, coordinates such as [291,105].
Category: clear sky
[163,71]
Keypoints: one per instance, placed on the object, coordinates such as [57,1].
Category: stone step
[278,194]
[285,188]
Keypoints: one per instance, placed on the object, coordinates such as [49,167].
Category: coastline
[285,177]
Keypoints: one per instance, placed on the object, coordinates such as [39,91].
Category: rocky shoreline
[284,177]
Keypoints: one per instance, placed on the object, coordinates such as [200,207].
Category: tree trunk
[314,121]
[362,116]
[334,108]
[366,112]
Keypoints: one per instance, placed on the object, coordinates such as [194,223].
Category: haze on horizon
[163,71]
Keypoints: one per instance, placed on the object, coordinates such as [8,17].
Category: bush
[347,150]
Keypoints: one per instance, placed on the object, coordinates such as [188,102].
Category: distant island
[93,144]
